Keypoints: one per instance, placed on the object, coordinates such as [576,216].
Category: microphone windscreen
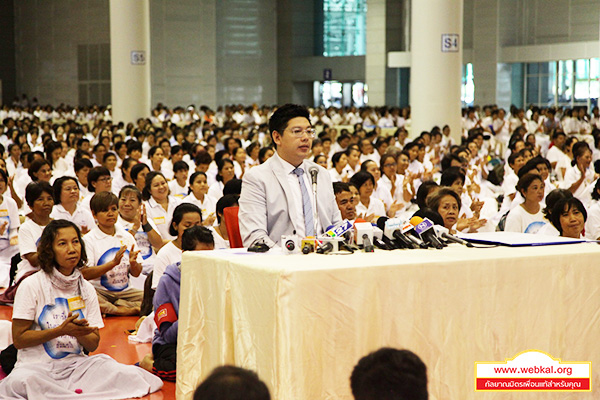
[381,222]
[358,220]
[414,221]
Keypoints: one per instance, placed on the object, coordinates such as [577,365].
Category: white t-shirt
[216,190]
[161,217]
[81,217]
[548,230]
[584,191]
[9,213]
[178,191]
[592,225]
[29,236]
[220,243]
[376,208]
[208,206]
[167,255]
[32,304]
[143,243]
[101,248]
[519,220]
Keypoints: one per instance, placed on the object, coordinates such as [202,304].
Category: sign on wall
[138,57]
[450,42]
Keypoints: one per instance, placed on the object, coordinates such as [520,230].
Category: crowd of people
[138,195]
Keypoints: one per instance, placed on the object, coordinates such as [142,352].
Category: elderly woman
[447,203]
[56,318]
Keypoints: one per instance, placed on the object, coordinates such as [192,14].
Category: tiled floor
[113,341]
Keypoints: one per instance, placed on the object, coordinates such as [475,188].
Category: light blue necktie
[306,204]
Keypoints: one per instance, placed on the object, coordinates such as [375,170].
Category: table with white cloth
[303,321]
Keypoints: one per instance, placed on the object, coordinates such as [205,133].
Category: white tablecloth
[302,322]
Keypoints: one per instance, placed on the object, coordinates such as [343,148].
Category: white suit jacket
[264,203]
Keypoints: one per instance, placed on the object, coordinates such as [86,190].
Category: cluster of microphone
[387,234]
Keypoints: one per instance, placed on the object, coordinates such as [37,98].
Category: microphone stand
[315,210]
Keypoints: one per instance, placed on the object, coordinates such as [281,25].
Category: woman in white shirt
[199,197]
[220,234]
[185,216]
[239,162]
[9,224]
[156,157]
[528,216]
[158,202]
[580,176]
[66,204]
[53,152]
[370,207]
[339,162]
[225,173]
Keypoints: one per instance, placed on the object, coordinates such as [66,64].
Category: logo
[534,370]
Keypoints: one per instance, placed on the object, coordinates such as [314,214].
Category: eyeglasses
[105,179]
[298,132]
[389,165]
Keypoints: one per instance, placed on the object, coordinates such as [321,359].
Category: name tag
[3,213]
[159,220]
[76,303]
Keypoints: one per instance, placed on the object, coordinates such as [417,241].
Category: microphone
[386,239]
[443,232]
[424,227]
[378,239]
[339,230]
[313,171]
[393,229]
[325,248]
[367,244]
[409,231]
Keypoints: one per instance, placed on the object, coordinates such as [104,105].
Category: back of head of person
[389,374]
[232,383]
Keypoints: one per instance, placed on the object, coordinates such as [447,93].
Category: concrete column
[435,80]
[376,57]
[130,59]
[485,50]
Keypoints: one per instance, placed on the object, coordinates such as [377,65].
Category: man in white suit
[277,196]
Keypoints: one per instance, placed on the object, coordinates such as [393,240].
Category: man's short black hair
[339,187]
[232,383]
[280,118]
[389,374]
[194,235]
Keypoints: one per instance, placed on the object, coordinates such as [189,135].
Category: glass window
[468,86]
[344,27]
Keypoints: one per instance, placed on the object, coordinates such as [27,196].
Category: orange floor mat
[113,341]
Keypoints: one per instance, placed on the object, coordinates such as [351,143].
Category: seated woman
[185,216]
[528,216]
[66,204]
[166,306]
[132,218]
[551,199]
[219,231]
[370,208]
[9,224]
[113,255]
[199,197]
[56,318]
[568,217]
[447,203]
